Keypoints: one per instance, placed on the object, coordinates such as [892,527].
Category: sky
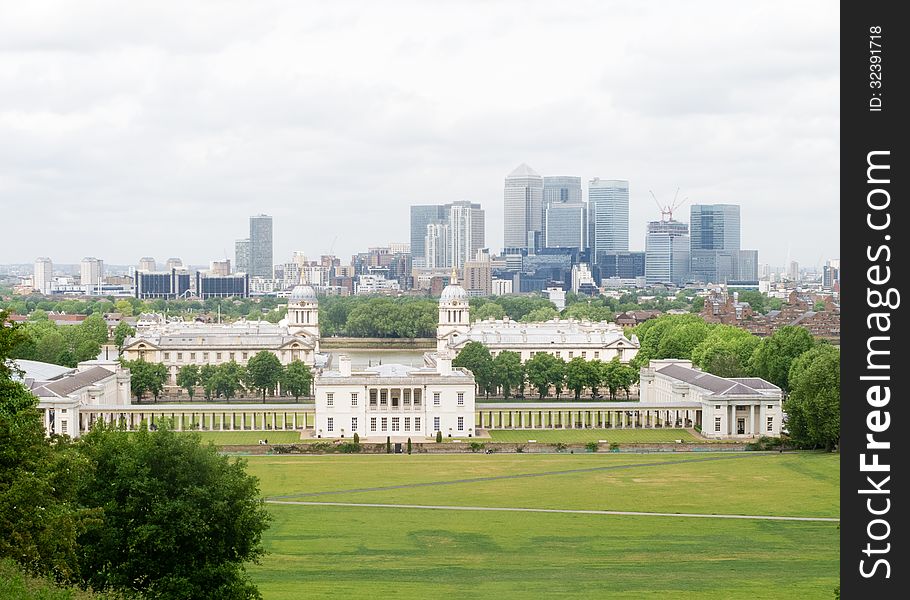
[157,128]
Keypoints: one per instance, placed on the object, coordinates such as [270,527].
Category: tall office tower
[566,224]
[523,207]
[478,274]
[92,274]
[466,229]
[147,263]
[747,270]
[242,255]
[437,250]
[830,273]
[261,246]
[608,216]
[715,242]
[793,271]
[43,278]
[667,252]
[173,263]
[220,267]
[421,216]
[562,190]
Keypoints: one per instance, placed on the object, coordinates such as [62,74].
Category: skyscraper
[437,248]
[566,224]
[261,246]
[523,207]
[91,274]
[466,228]
[716,256]
[608,216]
[421,216]
[43,277]
[242,256]
[147,263]
[561,190]
[667,252]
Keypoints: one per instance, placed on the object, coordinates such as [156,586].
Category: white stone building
[727,407]
[397,401]
[175,344]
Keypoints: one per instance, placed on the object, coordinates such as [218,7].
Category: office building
[715,226]
[561,189]
[566,224]
[219,286]
[91,275]
[421,216]
[220,267]
[43,277]
[260,246]
[747,270]
[793,271]
[466,229]
[478,275]
[167,285]
[667,256]
[624,265]
[437,244]
[608,216]
[523,207]
[831,273]
[147,263]
[242,255]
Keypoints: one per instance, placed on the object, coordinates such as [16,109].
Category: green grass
[15,584]
[249,438]
[571,436]
[321,552]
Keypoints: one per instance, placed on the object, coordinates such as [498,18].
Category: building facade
[466,232]
[219,286]
[242,255]
[260,246]
[523,207]
[421,216]
[667,256]
[91,273]
[43,275]
[608,218]
[167,285]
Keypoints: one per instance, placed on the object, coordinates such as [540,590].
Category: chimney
[444,364]
[344,365]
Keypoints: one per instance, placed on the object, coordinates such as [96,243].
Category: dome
[303,293]
[453,292]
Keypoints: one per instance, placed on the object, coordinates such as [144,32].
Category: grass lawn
[321,551]
[249,438]
[569,436]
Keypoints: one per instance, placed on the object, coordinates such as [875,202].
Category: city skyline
[136,136]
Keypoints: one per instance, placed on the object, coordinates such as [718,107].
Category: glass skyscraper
[523,207]
[667,252]
[715,226]
[608,216]
[261,246]
[421,216]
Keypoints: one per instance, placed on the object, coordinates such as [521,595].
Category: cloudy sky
[157,128]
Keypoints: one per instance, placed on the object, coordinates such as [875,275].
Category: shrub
[477,446]
[320,447]
[591,446]
[349,447]
[520,449]
[765,443]
[409,445]
[439,437]
[560,446]
[614,446]
[356,438]
[388,445]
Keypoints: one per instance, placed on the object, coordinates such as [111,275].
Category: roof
[40,371]
[555,333]
[65,386]
[523,170]
[719,386]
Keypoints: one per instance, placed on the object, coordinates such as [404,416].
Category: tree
[179,520]
[578,375]
[124,307]
[228,379]
[263,372]
[439,437]
[508,372]
[490,310]
[755,299]
[594,374]
[726,351]
[813,406]
[558,375]
[409,445]
[121,332]
[145,377]
[207,380]
[610,378]
[296,379]
[538,315]
[388,444]
[476,358]
[540,369]
[774,355]
[188,378]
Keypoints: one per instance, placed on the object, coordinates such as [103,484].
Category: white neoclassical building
[563,338]
[395,401]
[726,407]
[179,343]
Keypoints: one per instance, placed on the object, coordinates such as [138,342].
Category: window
[416,423]
[205,356]
[557,354]
[406,397]
[407,423]
[372,423]
[596,355]
[231,355]
[353,423]
[417,397]
[63,425]
[385,423]
[435,423]
[770,407]
[460,398]
[218,356]
[167,356]
[717,407]
[435,398]
[770,423]
[330,425]
[460,423]
[372,397]
[570,354]
[244,355]
[180,356]
[192,356]
[584,355]
[353,398]
[395,423]
[383,397]
[330,399]
[717,424]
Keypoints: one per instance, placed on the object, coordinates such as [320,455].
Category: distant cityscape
[555,241]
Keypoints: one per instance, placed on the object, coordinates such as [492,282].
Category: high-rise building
[166,285]
[478,275]
[147,263]
[242,255]
[421,216]
[43,277]
[793,271]
[831,273]
[437,245]
[220,267]
[747,269]
[215,286]
[559,190]
[608,216]
[624,265]
[667,252]
[715,226]
[566,224]
[92,274]
[466,228]
[173,263]
[260,246]
[523,207]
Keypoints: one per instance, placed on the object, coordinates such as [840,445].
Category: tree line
[262,374]
[543,372]
[139,514]
[43,340]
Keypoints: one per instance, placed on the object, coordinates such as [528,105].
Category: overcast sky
[157,128]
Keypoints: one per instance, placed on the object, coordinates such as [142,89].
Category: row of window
[769,426]
[383,401]
[571,353]
[178,356]
[382,424]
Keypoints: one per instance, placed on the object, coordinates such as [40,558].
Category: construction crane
[666,211]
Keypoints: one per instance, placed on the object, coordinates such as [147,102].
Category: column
[751,429]
[521,419]
[731,414]
[762,419]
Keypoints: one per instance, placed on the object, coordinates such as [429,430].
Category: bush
[356,438]
[349,447]
[561,447]
[520,449]
[765,443]
[591,446]
[439,437]
[614,447]
[388,444]
[477,446]
[319,447]
[409,445]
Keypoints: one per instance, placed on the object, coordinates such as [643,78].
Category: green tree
[813,406]
[296,379]
[439,437]
[228,379]
[95,329]
[558,375]
[594,373]
[755,299]
[508,372]
[476,358]
[540,369]
[539,315]
[490,310]
[263,372]
[124,307]
[145,377]
[179,520]
[409,445]
[578,375]
[388,444]
[121,332]
[188,379]
[726,351]
[207,380]
[774,355]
